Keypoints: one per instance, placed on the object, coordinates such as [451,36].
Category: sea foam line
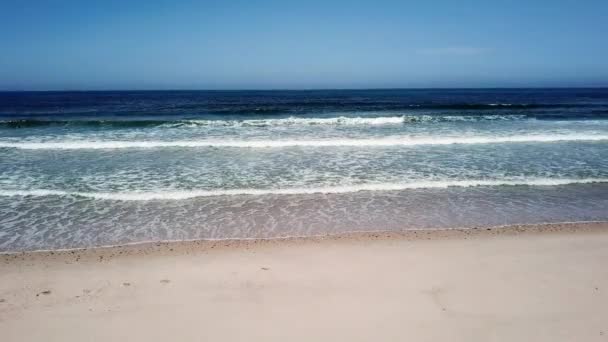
[379,142]
[343,120]
[187,194]
[295,121]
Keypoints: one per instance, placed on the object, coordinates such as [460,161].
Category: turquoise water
[90,169]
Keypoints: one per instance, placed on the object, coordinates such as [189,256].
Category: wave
[294,121]
[345,120]
[187,194]
[289,121]
[379,142]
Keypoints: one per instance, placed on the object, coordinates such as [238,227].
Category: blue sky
[301,44]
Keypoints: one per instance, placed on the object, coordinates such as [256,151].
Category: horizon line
[290,89]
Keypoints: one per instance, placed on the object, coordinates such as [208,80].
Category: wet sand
[522,283]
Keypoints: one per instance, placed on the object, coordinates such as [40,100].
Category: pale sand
[545,283]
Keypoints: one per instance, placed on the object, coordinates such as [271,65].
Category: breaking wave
[378,142]
[345,120]
[292,121]
[187,194]
[288,121]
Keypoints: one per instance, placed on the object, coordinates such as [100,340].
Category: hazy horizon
[300,89]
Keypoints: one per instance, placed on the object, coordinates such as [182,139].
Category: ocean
[84,169]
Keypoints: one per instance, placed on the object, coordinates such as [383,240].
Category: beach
[526,283]
[303,171]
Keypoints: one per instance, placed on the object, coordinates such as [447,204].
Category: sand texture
[547,283]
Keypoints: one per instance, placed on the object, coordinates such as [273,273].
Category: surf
[342,142]
[339,189]
[339,120]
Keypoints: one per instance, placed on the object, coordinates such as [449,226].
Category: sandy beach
[536,283]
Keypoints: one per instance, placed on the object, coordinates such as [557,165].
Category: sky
[156,44]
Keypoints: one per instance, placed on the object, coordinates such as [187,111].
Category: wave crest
[288,121]
[379,142]
[344,120]
[187,194]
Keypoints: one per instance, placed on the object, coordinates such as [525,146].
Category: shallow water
[97,168]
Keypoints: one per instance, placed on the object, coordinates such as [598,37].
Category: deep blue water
[97,168]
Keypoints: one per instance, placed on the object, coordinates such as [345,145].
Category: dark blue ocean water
[97,168]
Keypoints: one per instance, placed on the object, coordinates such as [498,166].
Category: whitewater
[106,168]
[381,142]
[187,194]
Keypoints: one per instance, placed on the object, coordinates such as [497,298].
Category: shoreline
[203,245]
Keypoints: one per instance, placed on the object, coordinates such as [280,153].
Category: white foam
[186,194]
[293,121]
[342,120]
[377,142]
